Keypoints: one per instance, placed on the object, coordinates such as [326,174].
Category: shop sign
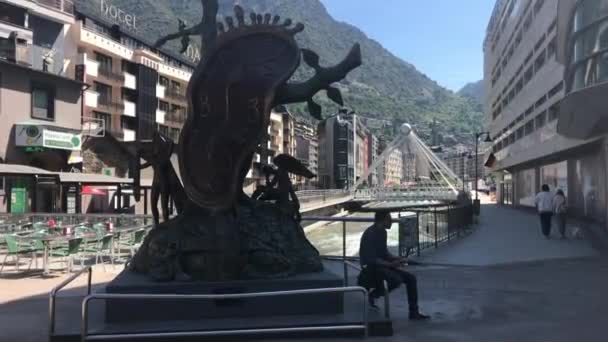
[108,171]
[36,138]
[118,16]
[61,140]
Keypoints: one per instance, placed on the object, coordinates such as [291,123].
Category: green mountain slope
[384,87]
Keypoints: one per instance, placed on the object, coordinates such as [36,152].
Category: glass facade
[556,176]
[526,187]
[587,195]
[589,41]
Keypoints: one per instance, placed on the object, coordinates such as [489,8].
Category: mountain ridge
[383,87]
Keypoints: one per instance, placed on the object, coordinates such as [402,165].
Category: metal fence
[14,222]
[440,224]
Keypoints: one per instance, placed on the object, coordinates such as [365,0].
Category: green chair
[133,241]
[15,249]
[68,252]
[101,249]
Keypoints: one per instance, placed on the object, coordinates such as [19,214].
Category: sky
[441,38]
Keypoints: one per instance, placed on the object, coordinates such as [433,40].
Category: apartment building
[372,154]
[336,153]
[307,150]
[134,88]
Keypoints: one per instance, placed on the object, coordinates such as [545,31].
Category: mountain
[473,91]
[384,87]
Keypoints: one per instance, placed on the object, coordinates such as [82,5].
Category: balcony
[176,95]
[160,91]
[65,6]
[109,106]
[128,135]
[110,75]
[130,81]
[129,109]
[160,116]
[91,98]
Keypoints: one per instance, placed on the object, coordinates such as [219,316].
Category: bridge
[435,182]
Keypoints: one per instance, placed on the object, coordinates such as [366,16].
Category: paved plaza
[504,282]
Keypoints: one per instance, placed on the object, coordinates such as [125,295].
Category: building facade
[393,168]
[525,86]
[40,105]
[336,153]
[134,91]
[307,151]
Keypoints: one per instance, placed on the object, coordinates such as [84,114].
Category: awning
[491,161]
[90,190]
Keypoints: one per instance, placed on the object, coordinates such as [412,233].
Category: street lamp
[488,139]
[465,156]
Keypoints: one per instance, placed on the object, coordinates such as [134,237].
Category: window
[529,111]
[511,138]
[519,86]
[540,61]
[528,75]
[529,127]
[552,26]
[520,118]
[556,89]
[106,118]
[528,22]
[164,106]
[164,130]
[174,134]
[540,42]
[529,57]
[541,119]
[43,102]
[176,87]
[540,101]
[511,95]
[105,63]
[553,112]
[105,93]
[538,5]
[519,133]
[163,81]
[551,48]
[127,122]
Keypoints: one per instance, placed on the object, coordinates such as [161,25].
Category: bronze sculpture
[165,184]
[243,74]
[279,187]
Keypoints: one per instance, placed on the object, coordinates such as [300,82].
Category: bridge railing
[338,237]
[382,194]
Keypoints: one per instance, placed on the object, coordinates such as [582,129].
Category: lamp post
[488,138]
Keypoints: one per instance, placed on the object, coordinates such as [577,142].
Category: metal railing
[86,336]
[55,290]
[434,225]
[66,6]
[27,219]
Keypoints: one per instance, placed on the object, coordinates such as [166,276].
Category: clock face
[231,103]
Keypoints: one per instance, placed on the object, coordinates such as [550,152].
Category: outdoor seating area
[57,243]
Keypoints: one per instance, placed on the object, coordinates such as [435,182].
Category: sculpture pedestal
[135,310]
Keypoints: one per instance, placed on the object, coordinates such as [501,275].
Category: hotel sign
[118,16]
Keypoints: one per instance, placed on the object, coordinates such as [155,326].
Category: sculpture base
[132,310]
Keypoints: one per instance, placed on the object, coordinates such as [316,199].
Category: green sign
[34,149]
[18,199]
[61,140]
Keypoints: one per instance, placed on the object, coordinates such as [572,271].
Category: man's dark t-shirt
[373,246]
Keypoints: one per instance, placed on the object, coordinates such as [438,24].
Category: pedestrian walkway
[506,235]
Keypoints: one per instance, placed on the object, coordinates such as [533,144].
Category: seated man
[379,265]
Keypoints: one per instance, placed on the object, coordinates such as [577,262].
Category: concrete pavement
[504,282]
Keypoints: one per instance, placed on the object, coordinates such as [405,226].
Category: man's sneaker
[417,316]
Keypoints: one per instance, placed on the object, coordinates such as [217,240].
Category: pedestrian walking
[544,206]
[560,209]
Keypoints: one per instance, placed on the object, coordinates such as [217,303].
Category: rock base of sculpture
[133,311]
[254,240]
